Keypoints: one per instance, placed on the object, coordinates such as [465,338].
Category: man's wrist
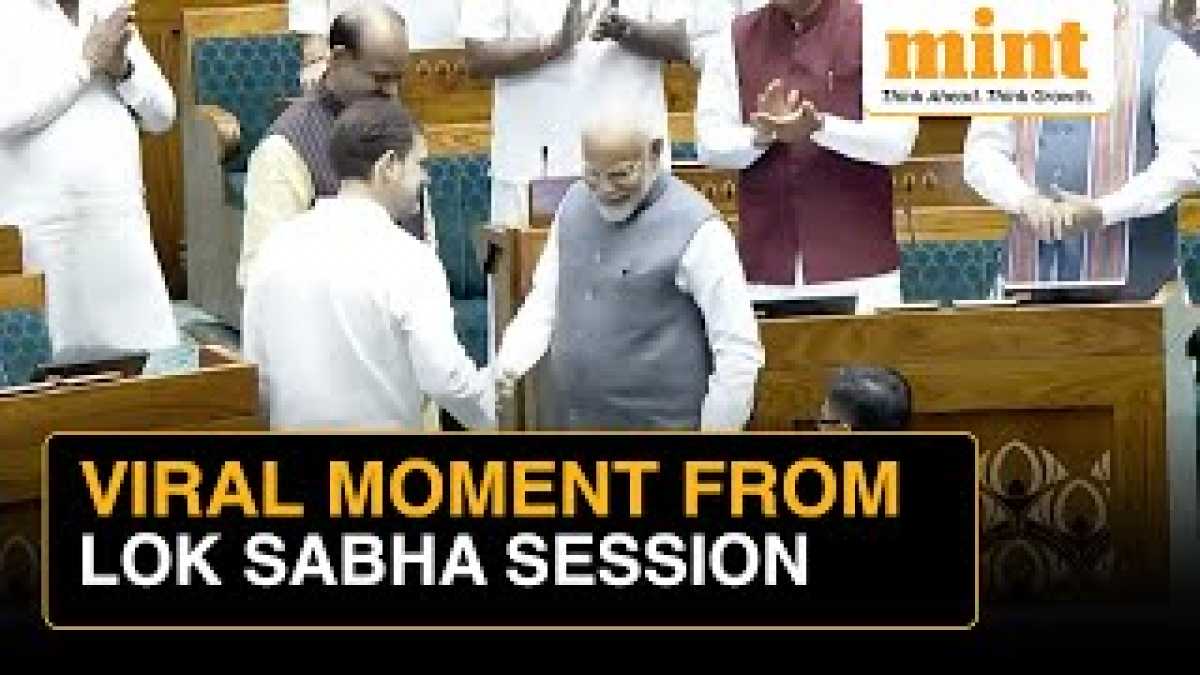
[127,73]
[764,137]
[548,48]
[623,30]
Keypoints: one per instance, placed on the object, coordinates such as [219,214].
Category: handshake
[506,389]
[1062,216]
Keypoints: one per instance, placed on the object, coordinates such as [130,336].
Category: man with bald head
[640,299]
[292,167]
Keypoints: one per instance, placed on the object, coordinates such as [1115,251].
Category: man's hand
[783,117]
[773,103]
[314,60]
[611,26]
[1080,214]
[574,28]
[119,65]
[506,390]
[1044,216]
[104,48]
[798,126]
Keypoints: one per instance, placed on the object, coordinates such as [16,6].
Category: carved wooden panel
[1046,501]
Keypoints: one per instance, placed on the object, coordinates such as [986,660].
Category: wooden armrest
[229,130]
[489,248]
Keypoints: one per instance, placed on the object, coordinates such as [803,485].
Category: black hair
[872,398]
[365,131]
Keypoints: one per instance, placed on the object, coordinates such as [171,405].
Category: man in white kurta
[71,172]
[432,24]
[347,315]
[709,21]
[552,75]
[990,162]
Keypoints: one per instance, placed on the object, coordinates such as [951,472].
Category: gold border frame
[45,526]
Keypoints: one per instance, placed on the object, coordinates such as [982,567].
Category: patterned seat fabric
[952,270]
[460,192]
[24,345]
[248,77]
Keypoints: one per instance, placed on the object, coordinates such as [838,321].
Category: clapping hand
[105,49]
[506,390]
[611,26]
[574,28]
[783,116]
[1080,214]
[1065,215]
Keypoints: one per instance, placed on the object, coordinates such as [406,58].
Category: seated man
[347,315]
[640,298]
[867,399]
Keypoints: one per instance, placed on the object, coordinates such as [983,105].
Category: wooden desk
[1086,418]
[222,395]
[10,250]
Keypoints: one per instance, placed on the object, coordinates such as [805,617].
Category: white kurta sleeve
[483,20]
[527,337]
[670,11]
[887,141]
[988,164]
[712,273]
[35,94]
[147,91]
[723,139]
[443,369]
[707,22]
[309,17]
[278,188]
[1176,166]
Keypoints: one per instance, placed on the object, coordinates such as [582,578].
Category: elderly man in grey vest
[640,299]
[1073,182]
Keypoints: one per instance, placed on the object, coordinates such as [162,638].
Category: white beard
[622,212]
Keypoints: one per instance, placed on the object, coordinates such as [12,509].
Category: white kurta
[988,155]
[432,24]
[71,177]
[537,117]
[349,320]
[710,19]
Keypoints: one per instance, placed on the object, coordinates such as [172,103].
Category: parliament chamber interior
[1085,414]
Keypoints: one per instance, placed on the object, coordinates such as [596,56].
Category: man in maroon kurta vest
[781,100]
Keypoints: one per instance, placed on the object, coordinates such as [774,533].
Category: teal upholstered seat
[24,344]
[945,271]
[247,77]
[684,152]
[460,189]
[1190,260]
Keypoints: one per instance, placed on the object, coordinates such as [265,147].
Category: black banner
[450,531]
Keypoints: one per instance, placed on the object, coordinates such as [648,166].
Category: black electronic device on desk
[1065,292]
[78,363]
[817,306]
